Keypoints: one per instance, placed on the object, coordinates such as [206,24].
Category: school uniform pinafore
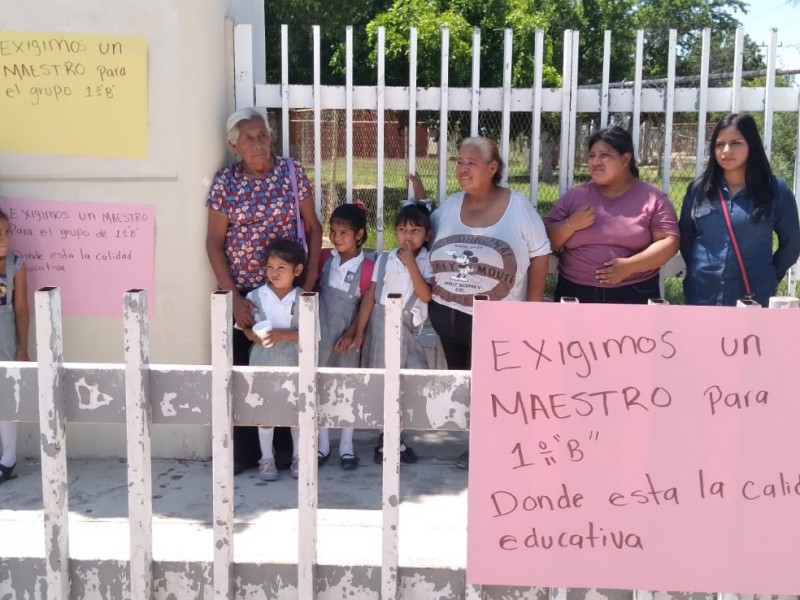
[337,311]
[413,354]
[280,354]
[8,326]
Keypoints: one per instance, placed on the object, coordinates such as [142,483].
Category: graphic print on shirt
[465,265]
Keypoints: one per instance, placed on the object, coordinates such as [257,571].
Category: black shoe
[463,460]
[6,473]
[322,458]
[349,461]
[407,455]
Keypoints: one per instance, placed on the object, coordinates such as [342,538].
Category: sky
[781,14]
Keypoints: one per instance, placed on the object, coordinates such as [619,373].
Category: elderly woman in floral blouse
[252,203]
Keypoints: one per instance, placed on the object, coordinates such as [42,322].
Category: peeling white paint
[17,396]
[96,399]
[289,386]
[166,405]
[441,413]
[253,400]
[343,396]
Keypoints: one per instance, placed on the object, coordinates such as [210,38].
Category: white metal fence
[605,102]
[139,394]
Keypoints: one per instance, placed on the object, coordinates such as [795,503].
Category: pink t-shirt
[623,226]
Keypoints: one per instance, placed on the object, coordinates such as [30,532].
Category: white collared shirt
[341,275]
[278,310]
[397,280]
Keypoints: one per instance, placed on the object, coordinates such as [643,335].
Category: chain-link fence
[652,133]
[396,163]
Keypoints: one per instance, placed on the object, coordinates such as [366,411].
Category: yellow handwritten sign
[73,94]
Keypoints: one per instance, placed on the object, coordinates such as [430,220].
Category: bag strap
[726,213]
[383,260]
[301,232]
[365,278]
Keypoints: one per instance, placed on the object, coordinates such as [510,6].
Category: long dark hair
[352,216]
[757,175]
[291,252]
[620,140]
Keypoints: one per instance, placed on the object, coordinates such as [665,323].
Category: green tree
[300,16]
[688,17]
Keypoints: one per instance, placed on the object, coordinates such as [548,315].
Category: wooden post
[138,418]
[222,442]
[52,423]
[307,493]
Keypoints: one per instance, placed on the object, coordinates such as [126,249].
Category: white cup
[261,329]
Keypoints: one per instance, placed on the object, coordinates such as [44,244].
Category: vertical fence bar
[637,92]
[285,90]
[557,594]
[505,120]
[573,107]
[244,87]
[769,100]
[443,111]
[604,95]
[137,416]
[412,106]
[317,123]
[391,447]
[381,116]
[348,114]
[52,424]
[738,56]
[222,442]
[536,115]
[566,88]
[307,420]
[702,103]
[669,109]
[475,92]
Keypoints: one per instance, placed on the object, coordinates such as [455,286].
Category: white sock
[295,442]
[324,445]
[346,442]
[265,435]
[8,437]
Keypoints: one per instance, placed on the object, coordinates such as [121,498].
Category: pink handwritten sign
[635,447]
[93,251]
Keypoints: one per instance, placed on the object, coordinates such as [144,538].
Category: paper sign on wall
[94,252]
[635,447]
[73,94]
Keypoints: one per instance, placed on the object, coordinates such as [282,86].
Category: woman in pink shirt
[614,233]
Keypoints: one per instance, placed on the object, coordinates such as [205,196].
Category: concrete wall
[189,96]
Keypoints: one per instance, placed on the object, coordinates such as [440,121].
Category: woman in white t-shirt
[488,240]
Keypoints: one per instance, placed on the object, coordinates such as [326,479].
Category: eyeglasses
[734,145]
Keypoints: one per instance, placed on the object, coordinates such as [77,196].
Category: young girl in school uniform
[277,302]
[342,283]
[406,271]
[13,333]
